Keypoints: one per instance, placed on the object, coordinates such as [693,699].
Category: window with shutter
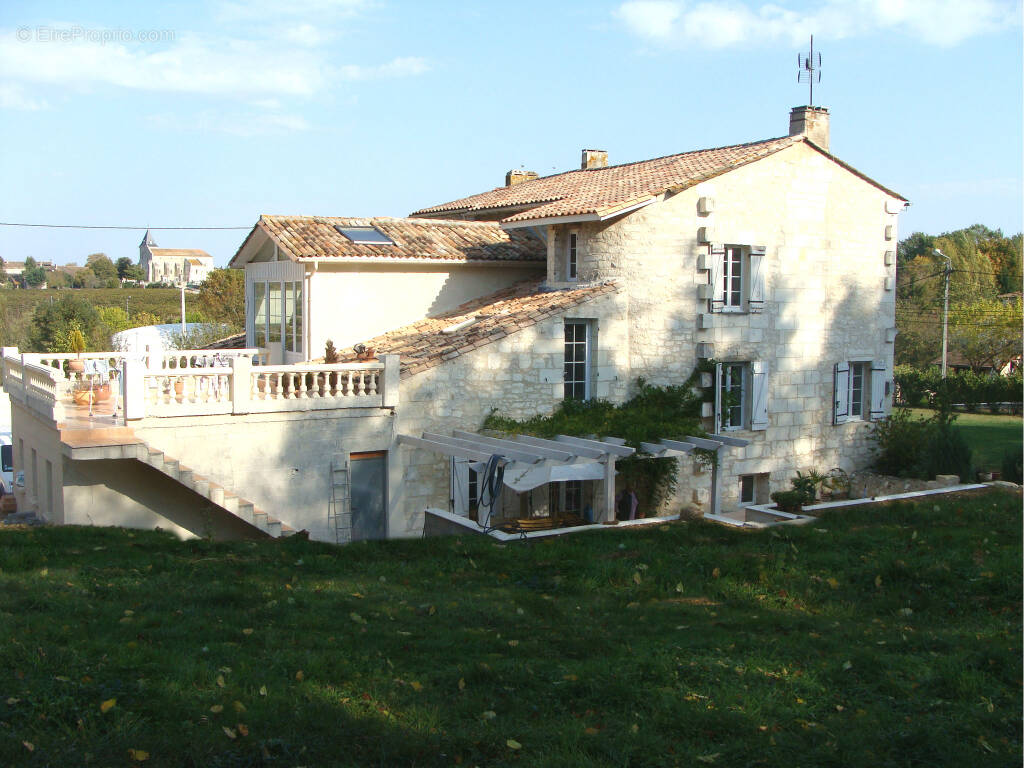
[757,294]
[578,342]
[877,395]
[571,252]
[732,396]
[736,280]
[716,278]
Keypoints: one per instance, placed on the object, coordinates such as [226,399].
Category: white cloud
[243,124]
[231,68]
[13,96]
[723,23]
[407,66]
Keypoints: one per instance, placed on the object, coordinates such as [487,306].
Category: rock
[947,480]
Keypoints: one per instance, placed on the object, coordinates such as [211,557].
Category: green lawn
[989,436]
[878,636]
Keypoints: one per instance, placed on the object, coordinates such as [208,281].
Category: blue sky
[184,114]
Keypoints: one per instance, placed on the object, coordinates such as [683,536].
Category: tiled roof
[423,345]
[605,191]
[180,253]
[306,237]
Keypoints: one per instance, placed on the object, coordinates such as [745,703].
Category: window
[577,360]
[296,330]
[736,282]
[754,489]
[747,489]
[365,235]
[573,498]
[861,391]
[259,303]
[570,256]
[7,452]
[732,277]
[274,300]
[741,396]
[732,391]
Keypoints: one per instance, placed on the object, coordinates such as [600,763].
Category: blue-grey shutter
[841,387]
[716,277]
[460,487]
[718,398]
[758,395]
[756,282]
[878,395]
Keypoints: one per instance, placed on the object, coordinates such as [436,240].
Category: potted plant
[76,340]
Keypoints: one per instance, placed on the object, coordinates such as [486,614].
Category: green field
[990,436]
[877,636]
[165,303]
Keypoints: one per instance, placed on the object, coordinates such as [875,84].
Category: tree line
[984,297]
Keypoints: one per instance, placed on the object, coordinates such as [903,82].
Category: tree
[52,319]
[986,332]
[222,298]
[33,274]
[102,267]
[123,265]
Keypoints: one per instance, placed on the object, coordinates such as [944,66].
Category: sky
[206,115]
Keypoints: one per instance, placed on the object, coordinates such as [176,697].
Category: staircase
[121,443]
[217,494]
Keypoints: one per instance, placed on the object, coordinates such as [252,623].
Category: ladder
[339,507]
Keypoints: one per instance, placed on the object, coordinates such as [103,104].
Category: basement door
[368,477]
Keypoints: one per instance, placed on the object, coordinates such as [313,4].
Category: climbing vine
[653,413]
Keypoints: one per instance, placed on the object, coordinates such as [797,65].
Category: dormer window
[570,255]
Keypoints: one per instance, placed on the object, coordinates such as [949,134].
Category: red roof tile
[315,237]
[423,345]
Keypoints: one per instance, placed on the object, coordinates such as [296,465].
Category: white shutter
[841,387]
[756,282]
[460,487]
[718,398]
[759,395]
[878,395]
[716,278]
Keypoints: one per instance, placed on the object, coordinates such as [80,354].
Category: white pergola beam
[706,444]
[579,450]
[661,451]
[512,445]
[447,450]
[606,448]
[677,445]
[508,453]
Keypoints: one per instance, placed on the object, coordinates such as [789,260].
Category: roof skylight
[365,235]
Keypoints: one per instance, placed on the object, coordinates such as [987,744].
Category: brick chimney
[594,158]
[812,122]
[514,177]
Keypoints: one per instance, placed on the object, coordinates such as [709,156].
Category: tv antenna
[809,70]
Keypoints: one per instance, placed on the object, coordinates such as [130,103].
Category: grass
[990,436]
[878,636]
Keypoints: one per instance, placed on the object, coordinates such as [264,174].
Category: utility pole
[183,320]
[945,307]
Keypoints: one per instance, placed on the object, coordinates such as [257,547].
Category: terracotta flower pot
[76,366]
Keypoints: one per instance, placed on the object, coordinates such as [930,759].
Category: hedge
[916,388]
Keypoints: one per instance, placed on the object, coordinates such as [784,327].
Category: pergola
[533,461]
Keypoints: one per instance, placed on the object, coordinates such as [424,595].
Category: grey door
[368,472]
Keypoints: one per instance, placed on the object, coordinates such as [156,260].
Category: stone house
[774,261]
[173,265]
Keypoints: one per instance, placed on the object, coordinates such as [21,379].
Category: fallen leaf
[679,587]
[416,686]
[489,715]
[247,631]
[878,581]
[634,728]
[716,573]
[138,755]
[358,594]
[107,705]
[513,643]
[513,744]
[462,683]
[832,582]
[357,618]
[230,733]
[263,690]
[12,701]
[847,665]
[29,746]
[217,709]
[239,706]
[637,578]
[570,678]
[242,729]
[591,731]
[299,676]
[220,681]
[709,758]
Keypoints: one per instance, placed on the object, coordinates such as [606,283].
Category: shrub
[789,501]
[1013,465]
[909,447]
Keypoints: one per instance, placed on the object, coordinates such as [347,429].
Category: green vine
[653,413]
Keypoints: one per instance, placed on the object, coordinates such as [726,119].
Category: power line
[100,226]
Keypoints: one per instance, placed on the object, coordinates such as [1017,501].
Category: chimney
[812,122]
[594,158]
[514,177]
